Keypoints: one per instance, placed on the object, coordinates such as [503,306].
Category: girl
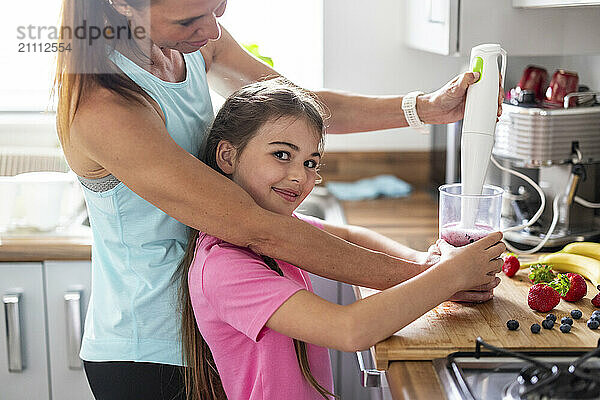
[257,317]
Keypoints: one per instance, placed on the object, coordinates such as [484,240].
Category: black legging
[124,380]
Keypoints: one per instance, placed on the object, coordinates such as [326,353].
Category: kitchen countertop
[75,244]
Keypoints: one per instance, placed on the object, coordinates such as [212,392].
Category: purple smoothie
[457,236]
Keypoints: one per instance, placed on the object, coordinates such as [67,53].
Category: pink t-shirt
[233,294]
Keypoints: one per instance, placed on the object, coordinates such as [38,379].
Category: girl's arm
[374,241]
[360,325]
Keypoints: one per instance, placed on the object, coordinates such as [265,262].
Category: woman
[133,104]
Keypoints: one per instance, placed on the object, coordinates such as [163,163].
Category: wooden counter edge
[17,249]
[414,380]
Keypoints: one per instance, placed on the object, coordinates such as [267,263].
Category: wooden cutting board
[454,327]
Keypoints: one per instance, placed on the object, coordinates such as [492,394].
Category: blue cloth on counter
[370,188]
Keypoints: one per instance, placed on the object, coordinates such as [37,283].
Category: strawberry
[540,273]
[542,297]
[511,265]
[577,287]
[596,299]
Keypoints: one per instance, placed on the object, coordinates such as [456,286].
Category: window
[26,70]
[290,32]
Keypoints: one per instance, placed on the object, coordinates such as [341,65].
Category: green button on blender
[478,67]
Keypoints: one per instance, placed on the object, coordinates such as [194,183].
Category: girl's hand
[475,264]
[475,295]
[447,104]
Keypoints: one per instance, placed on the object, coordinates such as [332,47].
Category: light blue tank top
[132,313]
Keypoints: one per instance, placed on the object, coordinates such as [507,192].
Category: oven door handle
[368,377]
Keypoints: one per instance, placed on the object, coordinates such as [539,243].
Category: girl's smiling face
[278,166]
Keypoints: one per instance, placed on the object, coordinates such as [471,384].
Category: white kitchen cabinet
[41,326]
[453,27]
[67,295]
[554,3]
[23,349]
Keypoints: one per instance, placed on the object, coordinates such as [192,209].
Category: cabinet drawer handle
[73,314]
[368,377]
[14,341]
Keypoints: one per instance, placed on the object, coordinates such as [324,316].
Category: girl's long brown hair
[243,113]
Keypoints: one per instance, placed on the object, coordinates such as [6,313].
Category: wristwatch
[409,106]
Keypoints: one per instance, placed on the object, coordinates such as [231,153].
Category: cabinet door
[23,350]
[529,32]
[432,25]
[67,296]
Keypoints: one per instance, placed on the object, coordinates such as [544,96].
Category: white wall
[364,52]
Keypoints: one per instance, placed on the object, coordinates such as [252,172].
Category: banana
[588,249]
[587,267]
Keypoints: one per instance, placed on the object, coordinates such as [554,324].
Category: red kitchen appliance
[534,79]
[563,82]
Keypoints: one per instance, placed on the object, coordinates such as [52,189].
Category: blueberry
[512,325]
[597,312]
[535,328]
[576,314]
[547,324]
[566,320]
[595,316]
[565,328]
[593,324]
[551,317]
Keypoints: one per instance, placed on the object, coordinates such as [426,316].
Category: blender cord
[586,203]
[527,179]
[546,236]
[536,216]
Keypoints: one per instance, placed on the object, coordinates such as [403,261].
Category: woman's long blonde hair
[243,113]
[86,65]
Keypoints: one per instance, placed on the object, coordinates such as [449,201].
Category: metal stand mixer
[559,149]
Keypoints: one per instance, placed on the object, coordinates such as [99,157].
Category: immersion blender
[479,124]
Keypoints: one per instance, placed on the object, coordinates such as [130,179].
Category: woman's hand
[447,104]
[430,257]
[478,294]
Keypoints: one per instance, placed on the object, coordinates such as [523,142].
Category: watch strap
[409,106]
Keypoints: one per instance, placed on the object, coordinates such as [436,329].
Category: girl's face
[183,25]
[278,166]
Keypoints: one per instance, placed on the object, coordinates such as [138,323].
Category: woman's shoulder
[101,117]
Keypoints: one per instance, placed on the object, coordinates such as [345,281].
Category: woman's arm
[134,145]
[230,67]
[360,325]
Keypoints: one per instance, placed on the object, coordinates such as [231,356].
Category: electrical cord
[546,237]
[586,203]
[536,216]
[527,179]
